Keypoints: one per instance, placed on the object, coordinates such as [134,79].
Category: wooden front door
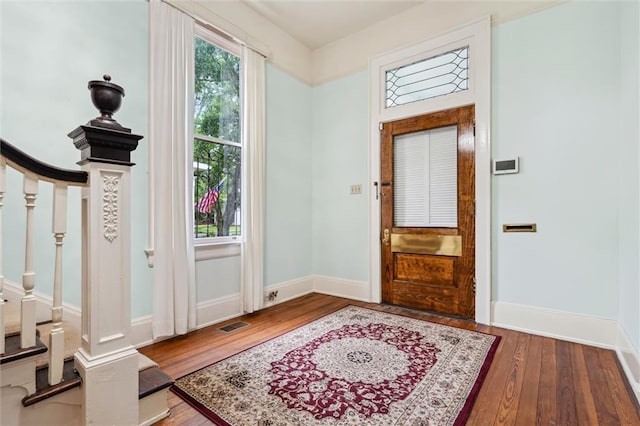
[428,212]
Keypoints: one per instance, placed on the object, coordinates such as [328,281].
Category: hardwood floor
[533,380]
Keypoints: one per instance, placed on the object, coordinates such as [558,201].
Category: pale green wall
[49,52]
[562,101]
[217,278]
[556,99]
[340,158]
[45,96]
[287,251]
[287,245]
[629,166]
[555,104]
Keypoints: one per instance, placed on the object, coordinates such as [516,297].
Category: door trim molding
[478,36]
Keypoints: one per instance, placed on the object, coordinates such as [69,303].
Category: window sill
[206,251]
[217,250]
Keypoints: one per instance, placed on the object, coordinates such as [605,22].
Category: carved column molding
[110,184]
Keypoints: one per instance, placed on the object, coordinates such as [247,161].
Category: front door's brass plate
[442,245]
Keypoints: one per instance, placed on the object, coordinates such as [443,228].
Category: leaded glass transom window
[431,77]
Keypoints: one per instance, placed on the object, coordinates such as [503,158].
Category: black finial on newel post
[107,97]
[103,139]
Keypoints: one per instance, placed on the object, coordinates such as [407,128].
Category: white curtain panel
[171,136]
[253,184]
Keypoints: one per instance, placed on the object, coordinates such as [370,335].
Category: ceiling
[318,23]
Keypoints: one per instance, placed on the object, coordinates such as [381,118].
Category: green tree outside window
[216,148]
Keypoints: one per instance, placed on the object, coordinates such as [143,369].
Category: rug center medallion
[360,360]
[364,368]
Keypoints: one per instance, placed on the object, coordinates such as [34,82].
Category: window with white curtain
[425,173]
[217,144]
[206,159]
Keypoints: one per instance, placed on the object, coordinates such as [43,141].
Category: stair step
[14,352]
[71,341]
[43,329]
[152,380]
[70,380]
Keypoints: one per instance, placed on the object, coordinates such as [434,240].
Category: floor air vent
[236,325]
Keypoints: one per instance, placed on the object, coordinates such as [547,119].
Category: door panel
[428,270]
[431,266]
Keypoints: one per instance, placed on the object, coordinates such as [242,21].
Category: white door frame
[477,36]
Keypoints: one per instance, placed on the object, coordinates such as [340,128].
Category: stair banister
[24,163]
[34,171]
[106,360]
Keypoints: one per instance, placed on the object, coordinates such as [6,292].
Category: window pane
[216,187]
[217,92]
[428,78]
[425,176]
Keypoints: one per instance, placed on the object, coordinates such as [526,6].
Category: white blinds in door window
[426,178]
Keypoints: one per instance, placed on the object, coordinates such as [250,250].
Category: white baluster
[28,306]
[56,337]
[3,168]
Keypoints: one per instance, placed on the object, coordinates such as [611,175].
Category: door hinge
[474,128]
[474,284]
[380,126]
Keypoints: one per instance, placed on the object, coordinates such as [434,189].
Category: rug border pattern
[461,419]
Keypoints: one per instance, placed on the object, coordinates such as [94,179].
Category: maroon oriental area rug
[354,367]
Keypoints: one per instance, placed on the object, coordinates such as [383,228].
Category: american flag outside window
[209,199]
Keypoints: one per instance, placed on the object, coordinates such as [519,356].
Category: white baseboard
[350,289]
[288,290]
[629,359]
[208,313]
[141,334]
[13,292]
[588,330]
[576,328]
[217,310]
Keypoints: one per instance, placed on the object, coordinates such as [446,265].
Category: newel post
[106,361]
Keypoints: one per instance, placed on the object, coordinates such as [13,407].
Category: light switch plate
[356,189]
